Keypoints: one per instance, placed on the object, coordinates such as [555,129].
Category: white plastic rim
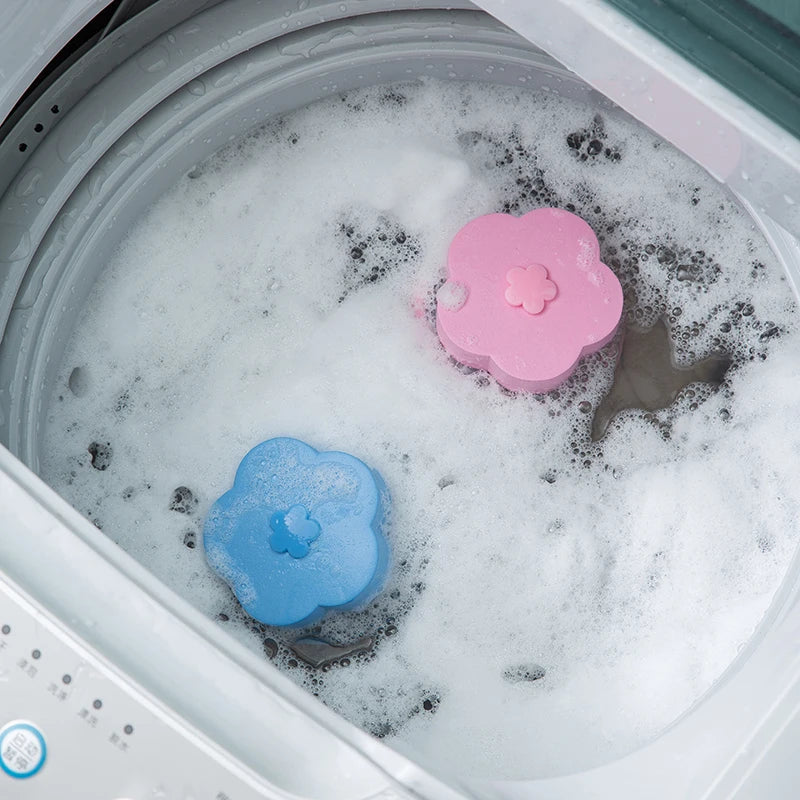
[738,145]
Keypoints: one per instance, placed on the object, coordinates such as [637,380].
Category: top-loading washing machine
[112,685]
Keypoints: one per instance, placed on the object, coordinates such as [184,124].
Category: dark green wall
[786,12]
[750,46]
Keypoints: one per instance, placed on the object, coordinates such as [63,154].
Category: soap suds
[553,602]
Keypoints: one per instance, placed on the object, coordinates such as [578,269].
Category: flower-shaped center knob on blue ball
[299,533]
[293,531]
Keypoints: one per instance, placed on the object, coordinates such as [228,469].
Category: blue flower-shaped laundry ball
[299,533]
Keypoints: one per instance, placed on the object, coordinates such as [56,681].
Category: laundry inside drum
[563,586]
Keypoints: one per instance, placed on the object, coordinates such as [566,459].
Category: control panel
[73,726]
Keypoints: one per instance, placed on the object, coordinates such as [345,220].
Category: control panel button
[22,749]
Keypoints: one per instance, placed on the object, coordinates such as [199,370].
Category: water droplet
[130,145]
[67,222]
[96,180]
[154,59]
[27,184]
[15,242]
[226,75]
[196,87]
[76,140]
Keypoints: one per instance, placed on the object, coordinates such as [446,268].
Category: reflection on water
[647,377]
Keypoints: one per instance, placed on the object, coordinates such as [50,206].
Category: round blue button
[22,749]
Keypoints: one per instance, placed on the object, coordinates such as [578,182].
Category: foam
[452,295]
[286,287]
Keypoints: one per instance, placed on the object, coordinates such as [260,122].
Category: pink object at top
[526,297]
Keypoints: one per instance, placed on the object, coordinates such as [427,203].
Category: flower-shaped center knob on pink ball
[547,262]
[530,288]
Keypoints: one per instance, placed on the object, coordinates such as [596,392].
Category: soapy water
[554,601]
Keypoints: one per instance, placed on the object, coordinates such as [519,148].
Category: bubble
[79,381]
[100,453]
[524,673]
[452,296]
[183,500]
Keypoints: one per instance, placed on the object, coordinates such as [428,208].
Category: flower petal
[533,304]
[549,290]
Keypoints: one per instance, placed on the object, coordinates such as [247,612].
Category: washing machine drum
[124,123]
[98,144]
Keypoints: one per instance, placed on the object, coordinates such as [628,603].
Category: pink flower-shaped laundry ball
[527,297]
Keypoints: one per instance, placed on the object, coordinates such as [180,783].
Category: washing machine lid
[32,32]
[722,87]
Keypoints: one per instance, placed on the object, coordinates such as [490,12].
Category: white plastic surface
[31,33]
[286,744]
[62,706]
[737,144]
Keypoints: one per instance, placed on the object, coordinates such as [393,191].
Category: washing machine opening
[251,246]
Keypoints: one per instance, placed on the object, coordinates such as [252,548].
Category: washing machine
[113,686]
